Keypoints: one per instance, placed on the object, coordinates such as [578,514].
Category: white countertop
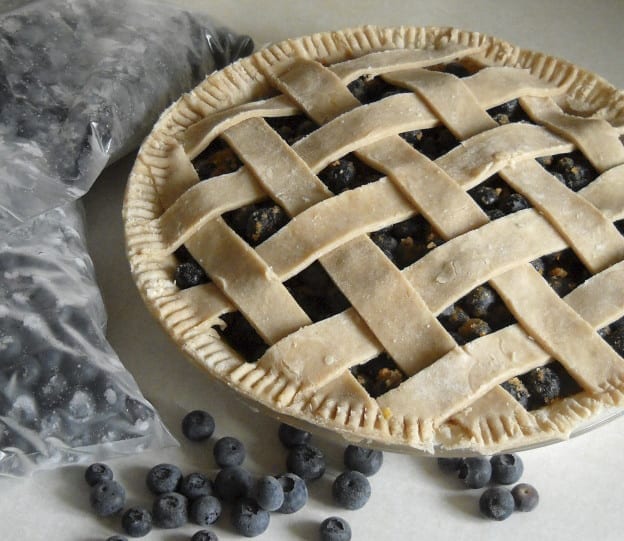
[579,481]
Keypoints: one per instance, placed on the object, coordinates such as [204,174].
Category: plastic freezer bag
[81,82]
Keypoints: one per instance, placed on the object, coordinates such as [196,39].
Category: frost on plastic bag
[64,395]
[81,83]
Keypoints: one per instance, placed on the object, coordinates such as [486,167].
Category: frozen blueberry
[307,461]
[475,472]
[525,497]
[28,372]
[198,425]
[136,521]
[52,392]
[205,510]
[107,498]
[170,510]
[295,493]
[248,518]
[98,472]
[291,436]
[163,478]
[189,274]
[229,451]
[204,535]
[335,529]
[268,492]
[506,468]
[366,461]
[351,490]
[110,398]
[81,405]
[449,465]
[195,485]
[496,503]
[232,483]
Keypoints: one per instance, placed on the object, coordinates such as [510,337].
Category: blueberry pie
[410,237]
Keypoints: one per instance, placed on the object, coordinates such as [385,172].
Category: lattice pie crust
[452,399]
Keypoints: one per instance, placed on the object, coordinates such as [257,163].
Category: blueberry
[204,535]
[291,436]
[506,468]
[189,274]
[198,425]
[543,385]
[107,498]
[386,242]
[486,196]
[205,510]
[136,521]
[525,497]
[116,538]
[295,493]
[307,461]
[513,203]
[28,371]
[248,518]
[52,392]
[496,503]
[110,398]
[449,465]
[195,485]
[263,222]
[163,478]
[229,451]
[457,69]
[98,472]
[268,492]
[474,328]
[516,388]
[476,472]
[351,490]
[170,510]
[232,483]
[478,302]
[366,461]
[81,405]
[339,175]
[335,529]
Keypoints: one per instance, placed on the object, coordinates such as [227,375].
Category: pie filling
[475,315]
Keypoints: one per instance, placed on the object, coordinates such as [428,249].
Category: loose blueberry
[335,529]
[295,493]
[306,461]
[163,478]
[205,510]
[449,465]
[496,503]
[291,436]
[96,473]
[475,472]
[366,461]
[189,274]
[204,535]
[268,492]
[170,510]
[248,518]
[351,490]
[506,468]
[136,522]
[229,451]
[107,498]
[198,425]
[195,485]
[232,483]
[525,497]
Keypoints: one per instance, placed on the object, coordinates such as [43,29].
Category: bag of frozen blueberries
[81,83]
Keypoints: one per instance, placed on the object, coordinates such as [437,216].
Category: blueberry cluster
[572,169]
[179,499]
[379,375]
[496,502]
